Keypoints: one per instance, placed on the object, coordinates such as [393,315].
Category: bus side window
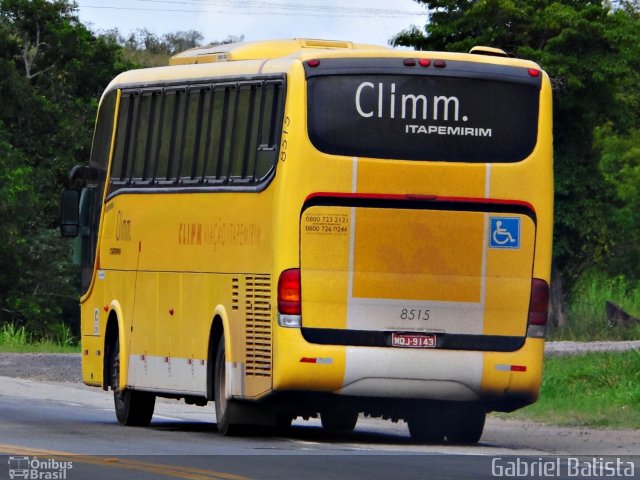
[164,136]
[241,130]
[270,119]
[146,138]
[94,176]
[119,166]
[229,104]
[215,134]
[205,152]
[251,126]
[83,253]
[178,127]
[193,134]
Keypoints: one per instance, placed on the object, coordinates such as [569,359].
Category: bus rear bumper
[411,388]
[503,380]
[412,373]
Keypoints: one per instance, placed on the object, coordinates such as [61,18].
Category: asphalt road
[68,422]
[45,424]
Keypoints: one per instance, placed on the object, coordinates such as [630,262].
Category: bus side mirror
[69,213]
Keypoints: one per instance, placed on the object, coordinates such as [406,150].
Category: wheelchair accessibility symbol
[505,232]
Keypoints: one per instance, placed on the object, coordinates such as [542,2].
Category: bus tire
[283,421]
[133,408]
[224,406]
[427,427]
[465,425]
[339,420]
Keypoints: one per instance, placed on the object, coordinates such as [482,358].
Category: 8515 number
[420,314]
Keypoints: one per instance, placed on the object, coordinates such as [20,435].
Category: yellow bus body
[173,267]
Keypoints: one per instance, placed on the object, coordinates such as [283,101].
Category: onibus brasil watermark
[572,467]
[37,469]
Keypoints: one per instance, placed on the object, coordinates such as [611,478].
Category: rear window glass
[423,118]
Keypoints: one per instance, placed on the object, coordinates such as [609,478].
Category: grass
[586,316]
[592,390]
[17,339]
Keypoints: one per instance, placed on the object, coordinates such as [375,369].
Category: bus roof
[262,50]
[250,58]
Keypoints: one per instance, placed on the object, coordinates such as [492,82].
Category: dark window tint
[165,138]
[177,125]
[146,137]
[423,117]
[270,114]
[210,134]
[92,196]
[123,139]
[196,121]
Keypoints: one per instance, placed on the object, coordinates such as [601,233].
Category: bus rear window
[420,117]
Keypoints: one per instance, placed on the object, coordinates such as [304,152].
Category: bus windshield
[463,116]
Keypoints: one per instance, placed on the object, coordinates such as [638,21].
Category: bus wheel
[426,427]
[283,421]
[133,408]
[224,406]
[339,420]
[465,425]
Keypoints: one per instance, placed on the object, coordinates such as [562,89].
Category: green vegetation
[146,49]
[49,103]
[591,51]
[593,390]
[586,310]
[17,339]
[53,70]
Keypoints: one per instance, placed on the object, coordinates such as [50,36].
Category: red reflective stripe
[308,360]
[518,368]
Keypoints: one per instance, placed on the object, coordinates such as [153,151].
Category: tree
[620,165]
[52,73]
[591,50]
[144,48]
[180,41]
[32,22]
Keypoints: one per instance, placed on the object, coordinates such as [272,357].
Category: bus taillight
[538,308]
[289,306]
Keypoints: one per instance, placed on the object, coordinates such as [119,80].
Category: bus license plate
[413,341]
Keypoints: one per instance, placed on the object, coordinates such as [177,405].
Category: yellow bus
[302,227]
